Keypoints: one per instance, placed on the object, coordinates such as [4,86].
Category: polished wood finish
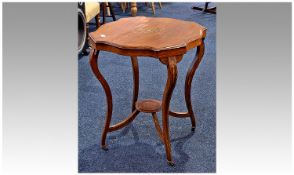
[125,122]
[94,65]
[162,38]
[148,105]
[134,8]
[179,114]
[135,67]
[157,126]
[143,36]
[169,87]
[188,82]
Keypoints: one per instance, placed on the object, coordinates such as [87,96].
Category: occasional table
[164,39]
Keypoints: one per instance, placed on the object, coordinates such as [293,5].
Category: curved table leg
[135,81]
[169,87]
[95,69]
[188,82]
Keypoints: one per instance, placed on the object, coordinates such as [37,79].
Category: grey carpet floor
[137,147]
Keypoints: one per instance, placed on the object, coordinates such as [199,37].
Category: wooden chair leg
[111,12]
[103,12]
[97,19]
[153,7]
[123,7]
[107,8]
[160,5]
[134,8]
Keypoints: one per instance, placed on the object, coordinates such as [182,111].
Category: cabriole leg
[169,87]
[95,68]
[191,71]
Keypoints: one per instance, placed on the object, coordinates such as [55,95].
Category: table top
[152,35]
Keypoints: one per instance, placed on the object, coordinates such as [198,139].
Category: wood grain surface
[148,34]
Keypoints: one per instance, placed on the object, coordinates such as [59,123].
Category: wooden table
[164,39]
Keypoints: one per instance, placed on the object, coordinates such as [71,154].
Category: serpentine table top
[143,36]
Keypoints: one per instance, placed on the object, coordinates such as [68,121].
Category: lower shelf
[148,105]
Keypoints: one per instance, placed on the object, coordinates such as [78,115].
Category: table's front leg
[94,65]
[188,82]
[169,87]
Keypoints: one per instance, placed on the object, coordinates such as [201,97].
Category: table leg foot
[188,82]
[170,163]
[104,147]
[193,129]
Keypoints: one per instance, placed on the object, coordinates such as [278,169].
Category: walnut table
[164,39]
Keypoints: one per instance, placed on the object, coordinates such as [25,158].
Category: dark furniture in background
[104,6]
[84,21]
[205,8]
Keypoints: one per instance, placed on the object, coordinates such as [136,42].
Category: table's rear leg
[170,85]
[188,82]
[94,65]
[135,67]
